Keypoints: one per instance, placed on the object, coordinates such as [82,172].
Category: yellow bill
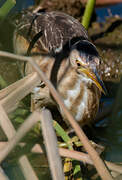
[98,82]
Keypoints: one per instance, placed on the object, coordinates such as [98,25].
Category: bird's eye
[78,63]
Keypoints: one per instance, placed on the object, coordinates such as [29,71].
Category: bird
[67,57]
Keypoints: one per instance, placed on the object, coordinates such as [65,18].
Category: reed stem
[88,13]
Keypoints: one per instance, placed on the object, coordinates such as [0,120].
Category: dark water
[111,135]
[102,13]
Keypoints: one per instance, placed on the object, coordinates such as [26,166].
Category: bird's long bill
[96,79]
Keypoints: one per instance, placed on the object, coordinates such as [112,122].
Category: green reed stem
[88,13]
[3,83]
[7,6]
[77,170]
[60,131]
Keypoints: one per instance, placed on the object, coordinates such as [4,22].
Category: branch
[3,175]
[9,89]
[22,88]
[51,145]
[25,127]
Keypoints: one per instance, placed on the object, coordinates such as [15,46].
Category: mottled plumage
[57,29]
[72,64]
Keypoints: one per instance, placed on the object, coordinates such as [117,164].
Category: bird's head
[85,59]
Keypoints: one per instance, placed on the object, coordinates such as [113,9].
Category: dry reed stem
[114,167]
[25,87]
[27,169]
[6,124]
[6,91]
[9,130]
[98,163]
[24,128]
[3,175]
[14,56]
[80,156]
[49,136]
[51,145]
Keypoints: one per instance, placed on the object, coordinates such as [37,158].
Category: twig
[6,91]
[25,127]
[86,159]
[6,124]
[13,56]
[80,156]
[114,167]
[24,88]
[9,130]
[51,145]
[3,175]
[98,163]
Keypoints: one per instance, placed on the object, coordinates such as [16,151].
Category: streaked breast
[81,100]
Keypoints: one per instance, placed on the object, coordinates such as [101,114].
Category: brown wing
[54,29]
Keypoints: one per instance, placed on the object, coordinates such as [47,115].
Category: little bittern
[68,59]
